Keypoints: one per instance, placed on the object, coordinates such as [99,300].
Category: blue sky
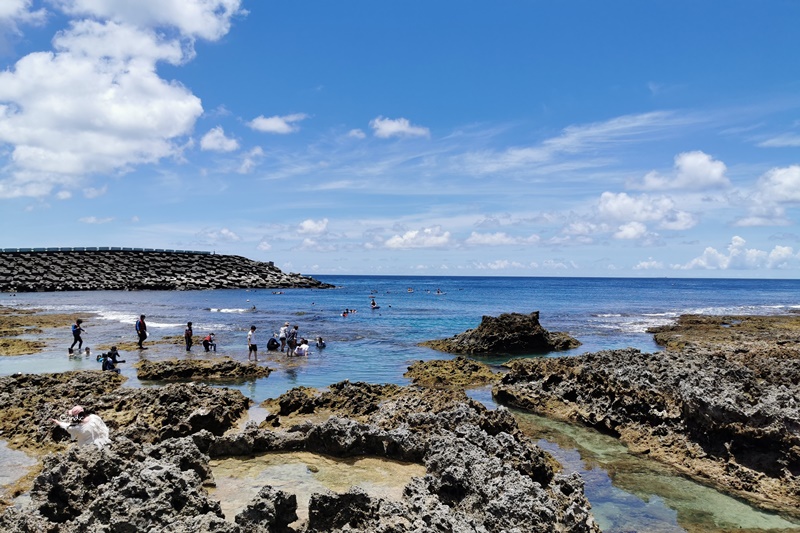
[515,138]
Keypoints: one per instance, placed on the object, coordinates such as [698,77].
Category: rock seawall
[140,270]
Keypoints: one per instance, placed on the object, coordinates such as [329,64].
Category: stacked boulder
[48,271]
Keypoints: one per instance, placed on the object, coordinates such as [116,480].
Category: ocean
[377,345]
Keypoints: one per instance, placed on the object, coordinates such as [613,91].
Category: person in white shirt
[252,348]
[302,348]
[86,429]
[282,336]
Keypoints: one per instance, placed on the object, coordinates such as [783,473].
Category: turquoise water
[378,345]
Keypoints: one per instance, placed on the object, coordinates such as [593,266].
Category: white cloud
[19,11]
[216,141]
[644,208]
[64,195]
[95,106]
[775,190]
[787,140]
[93,192]
[573,139]
[250,160]
[313,227]
[221,235]
[650,264]
[356,134]
[264,246]
[280,125]
[95,220]
[401,127]
[631,230]
[583,228]
[739,257]
[206,19]
[693,171]
[423,238]
[498,239]
[500,264]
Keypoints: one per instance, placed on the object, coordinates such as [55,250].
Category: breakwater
[87,269]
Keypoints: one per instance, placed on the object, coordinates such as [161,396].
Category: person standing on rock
[141,331]
[252,348]
[76,334]
[187,336]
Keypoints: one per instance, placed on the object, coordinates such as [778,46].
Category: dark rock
[140,270]
[203,369]
[705,413]
[509,333]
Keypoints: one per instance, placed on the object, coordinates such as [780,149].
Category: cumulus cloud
[356,134]
[205,19]
[423,238]
[13,12]
[631,230]
[650,264]
[693,171]
[220,235]
[500,264]
[401,127]
[215,140]
[644,208]
[776,190]
[739,257]
[278,124]
[95,105]
[498,239]
[264,246]
[313,227]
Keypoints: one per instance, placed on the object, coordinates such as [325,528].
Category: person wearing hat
[84,428]
[187,336]
[282,336]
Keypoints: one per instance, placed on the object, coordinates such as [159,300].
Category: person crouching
[110,360]
[84,428]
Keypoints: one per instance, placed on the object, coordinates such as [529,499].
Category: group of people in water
[287,341]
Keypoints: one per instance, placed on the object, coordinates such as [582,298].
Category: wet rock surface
[509,333]
[721,404]
[144,415]
[482,473]
[199,369]
[458,373]
[140,270]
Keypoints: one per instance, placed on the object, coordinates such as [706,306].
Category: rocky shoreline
[721,403]
[482,473]
[115,270]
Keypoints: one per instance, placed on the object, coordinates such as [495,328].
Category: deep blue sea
[378,345]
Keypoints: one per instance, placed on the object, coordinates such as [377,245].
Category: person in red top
[141,331]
